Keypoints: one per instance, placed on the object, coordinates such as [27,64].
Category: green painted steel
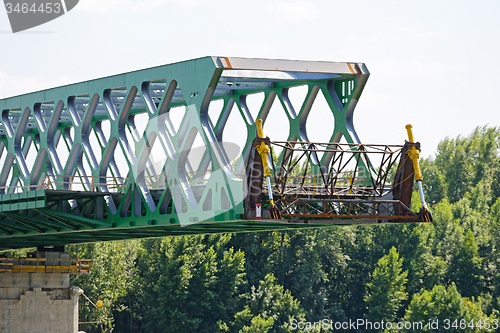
[142,154]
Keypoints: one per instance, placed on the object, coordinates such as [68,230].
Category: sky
[432,63]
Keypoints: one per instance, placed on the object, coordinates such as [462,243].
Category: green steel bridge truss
[142,154]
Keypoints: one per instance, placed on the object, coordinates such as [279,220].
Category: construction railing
[83,183]
[45,265]
[102,183]
[194,178]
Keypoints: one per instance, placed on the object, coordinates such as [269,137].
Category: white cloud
[292,12]
[98,6]
[17,85]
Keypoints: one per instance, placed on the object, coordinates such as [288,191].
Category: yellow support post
[414,155]
[263,150]
[410,134]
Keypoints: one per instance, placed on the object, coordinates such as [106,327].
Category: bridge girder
[117,157]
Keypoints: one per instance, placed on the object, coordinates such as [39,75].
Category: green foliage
[195,286]
[110,279]
[386,290]
[443,306]
[17,253]
[258,325]
[269,301]
[462,163]
[424,268]
[434,184]
[465,266]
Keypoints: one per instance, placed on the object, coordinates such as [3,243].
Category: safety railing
[84,183]
[72,183]
[45,265]
[102,183]
[199,177]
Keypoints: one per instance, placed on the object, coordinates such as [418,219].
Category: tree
[424,268]
[462,163]
[434,185]
[195,284]
[465,268]
[258,325]
[386,290]
[268,300]
[294,259]
[443,306]
[110,278]
[448,232]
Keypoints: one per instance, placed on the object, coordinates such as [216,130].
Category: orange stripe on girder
[352,68]
[226,62]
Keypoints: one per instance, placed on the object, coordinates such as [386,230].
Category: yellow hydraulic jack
[414,155]
[263,150]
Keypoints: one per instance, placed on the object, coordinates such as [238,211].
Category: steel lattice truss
[337,181]
[141,154]
[335,169]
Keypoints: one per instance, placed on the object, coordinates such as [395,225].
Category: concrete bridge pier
[36,294]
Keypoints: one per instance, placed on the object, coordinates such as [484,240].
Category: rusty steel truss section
[325,181]
[334,169]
